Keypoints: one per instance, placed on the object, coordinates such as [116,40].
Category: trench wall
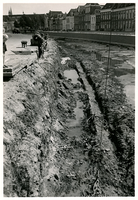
[28,125]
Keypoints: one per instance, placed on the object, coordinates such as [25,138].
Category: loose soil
[65,133]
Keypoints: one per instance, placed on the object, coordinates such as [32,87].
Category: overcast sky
[38,8]
[41,8]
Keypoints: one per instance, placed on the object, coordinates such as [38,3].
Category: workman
[40,41]
[5,38]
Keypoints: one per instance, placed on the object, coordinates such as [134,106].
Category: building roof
[117,5]
[74,11]
[81,9]
[55,11]
[108,6]
[91,4]
[122,5]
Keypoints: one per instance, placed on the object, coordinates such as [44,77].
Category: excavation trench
[89,159]
[56,142]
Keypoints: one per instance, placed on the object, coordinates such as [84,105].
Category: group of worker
[38,36]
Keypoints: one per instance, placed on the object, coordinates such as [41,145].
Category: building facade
[54,21]
[70,23]
[81,15]
[106,17]
[118,17]
[98,20]
[92,22]
[90,17]
[71,20]
[123,17]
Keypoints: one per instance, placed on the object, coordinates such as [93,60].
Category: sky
[38,8]
[42,7]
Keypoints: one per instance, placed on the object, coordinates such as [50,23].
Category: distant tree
[16,24]
[23,21]
[42,21]
[33,22]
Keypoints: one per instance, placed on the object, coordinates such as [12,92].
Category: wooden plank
[16,63]
[21,52]
[7,70]
[7,74]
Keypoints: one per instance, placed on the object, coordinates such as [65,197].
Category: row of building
[90,17]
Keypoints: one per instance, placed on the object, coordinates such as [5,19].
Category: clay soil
[71,136]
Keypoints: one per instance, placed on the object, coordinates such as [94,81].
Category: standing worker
[40,41]
[5,38]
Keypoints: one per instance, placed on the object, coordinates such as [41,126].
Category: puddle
[78,111]
[75,126]
[130,93]
[72,74]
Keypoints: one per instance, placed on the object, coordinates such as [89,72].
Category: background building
[118,17]
[90,17]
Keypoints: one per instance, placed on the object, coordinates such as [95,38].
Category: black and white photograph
[68,80]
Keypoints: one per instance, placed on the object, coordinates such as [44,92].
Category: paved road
[14,44]
[14,41]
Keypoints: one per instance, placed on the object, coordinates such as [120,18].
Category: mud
[58,139]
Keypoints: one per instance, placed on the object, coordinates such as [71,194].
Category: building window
[87,10]
[133,11]
[127,14]
[130,14]
[124,15]
[107,15]
[130,24]
[121,15]
[118,15]
[67,20]
[127,24]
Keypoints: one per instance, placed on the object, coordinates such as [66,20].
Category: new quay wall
[124,39]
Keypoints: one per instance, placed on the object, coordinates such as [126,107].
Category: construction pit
[69,123]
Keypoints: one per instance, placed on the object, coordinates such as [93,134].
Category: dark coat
[4,47]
